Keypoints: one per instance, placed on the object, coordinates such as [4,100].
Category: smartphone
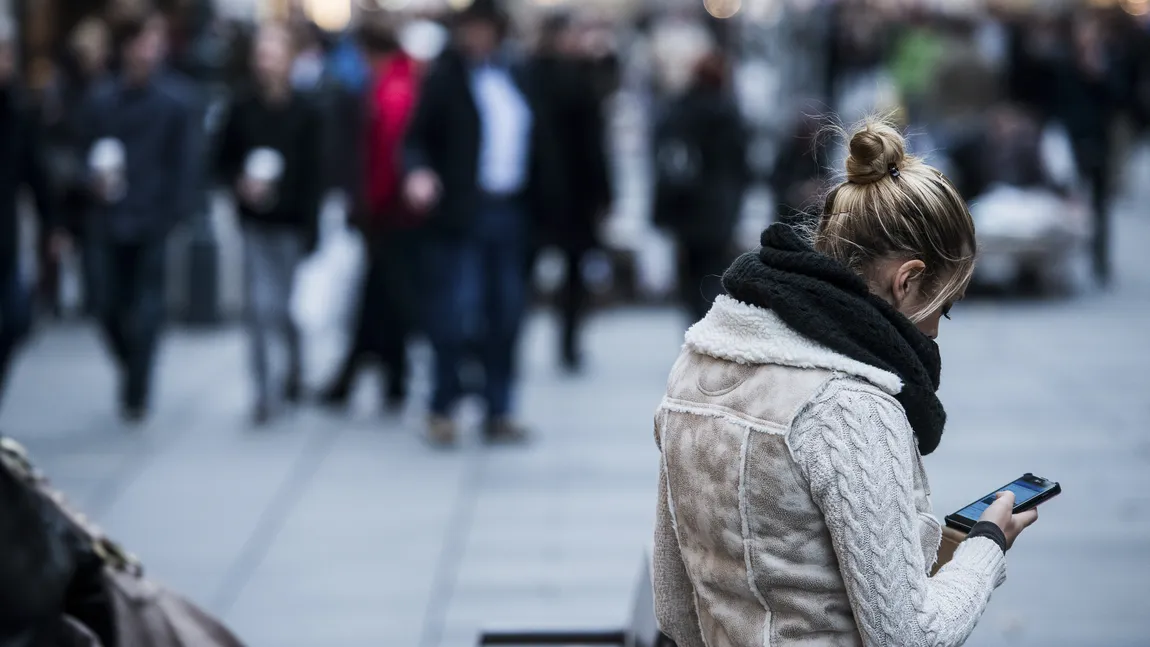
[1029,490]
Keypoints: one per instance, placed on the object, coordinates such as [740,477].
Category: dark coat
[707,213]
[21,165]
[158,126]
[444,136]
[570,98]
[294,131]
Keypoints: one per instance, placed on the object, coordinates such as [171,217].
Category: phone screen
[1023,491]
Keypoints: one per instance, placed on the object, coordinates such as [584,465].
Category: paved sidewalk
[349,531]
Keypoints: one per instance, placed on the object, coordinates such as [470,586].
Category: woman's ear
[904,284]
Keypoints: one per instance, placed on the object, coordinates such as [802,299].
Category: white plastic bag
[327,284]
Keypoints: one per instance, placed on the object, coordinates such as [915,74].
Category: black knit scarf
[828,303]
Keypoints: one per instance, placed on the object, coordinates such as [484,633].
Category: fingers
[1025,519]
[1003,500]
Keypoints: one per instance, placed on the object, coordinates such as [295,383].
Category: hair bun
[874,150]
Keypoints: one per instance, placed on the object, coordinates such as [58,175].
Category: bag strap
[14,459]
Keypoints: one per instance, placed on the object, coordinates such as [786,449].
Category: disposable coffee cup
[265,167]
[108,162]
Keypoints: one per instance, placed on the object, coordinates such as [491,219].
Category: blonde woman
[794,508]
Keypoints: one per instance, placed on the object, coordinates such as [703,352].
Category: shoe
[336,397]
[504,431]
[133,415]
[293,391]
[394,401]
[261,415]
[573,363]
[441,431]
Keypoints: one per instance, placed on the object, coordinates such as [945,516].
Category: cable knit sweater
[794,507]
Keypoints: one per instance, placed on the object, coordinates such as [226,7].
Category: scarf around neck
[828,303]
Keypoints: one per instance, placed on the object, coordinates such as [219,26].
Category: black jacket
[445,136]
[569,96]
[294,130]
[163,142]
[21,165]
[707,129]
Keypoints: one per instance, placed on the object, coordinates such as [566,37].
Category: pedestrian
[565,82]
[701,174]
[796,179]
[270,156]
[793,502]
[389,305]
[21,166]
[479,163]
[143,143]
[1088,94]
[83,67]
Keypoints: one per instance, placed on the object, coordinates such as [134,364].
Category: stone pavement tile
[369,529]
[1022,611]
[349,624]
[542,608]
[566,572]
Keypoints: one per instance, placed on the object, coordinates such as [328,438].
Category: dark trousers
[574,299]
[15,319]
[478,296]
[388,311]
[701,269]
[129,299]
[1093,157]
[1100,193]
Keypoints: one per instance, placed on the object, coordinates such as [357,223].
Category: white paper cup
[264,165]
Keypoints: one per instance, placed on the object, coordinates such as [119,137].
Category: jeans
[271,257]
[15,319]
[129,301]
[478,291]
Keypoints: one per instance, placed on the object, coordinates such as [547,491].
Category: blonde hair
[895,206]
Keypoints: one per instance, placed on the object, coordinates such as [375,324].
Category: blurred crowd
[465,148]
[461,155]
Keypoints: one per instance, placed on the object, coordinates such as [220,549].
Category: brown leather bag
[141,612]
[951,538]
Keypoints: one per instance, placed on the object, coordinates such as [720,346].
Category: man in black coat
[20,165]
[479,165]
[701,175]
[566,83]
[145,139]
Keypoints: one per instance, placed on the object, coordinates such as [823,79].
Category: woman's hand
[1000,513]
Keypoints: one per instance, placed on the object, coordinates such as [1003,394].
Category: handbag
[109,602]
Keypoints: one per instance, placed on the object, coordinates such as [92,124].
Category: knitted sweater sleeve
[856,449]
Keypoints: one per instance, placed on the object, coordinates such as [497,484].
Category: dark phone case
[959,523]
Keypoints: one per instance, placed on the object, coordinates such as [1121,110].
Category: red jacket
[391,103]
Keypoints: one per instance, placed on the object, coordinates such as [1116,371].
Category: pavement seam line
[452,553]
[271,521]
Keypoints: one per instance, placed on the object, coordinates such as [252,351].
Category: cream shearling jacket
[793,504]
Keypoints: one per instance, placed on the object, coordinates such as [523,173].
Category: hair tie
[894,172]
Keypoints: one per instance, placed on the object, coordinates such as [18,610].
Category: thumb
[1005,495]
